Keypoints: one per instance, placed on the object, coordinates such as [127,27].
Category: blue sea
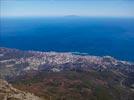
[94,36]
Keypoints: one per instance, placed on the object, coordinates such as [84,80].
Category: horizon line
[67,16]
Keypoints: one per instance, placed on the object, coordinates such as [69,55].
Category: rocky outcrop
[7,92]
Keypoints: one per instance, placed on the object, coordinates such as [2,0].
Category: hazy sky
[124,8]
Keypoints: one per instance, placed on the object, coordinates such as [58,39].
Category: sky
[24,8]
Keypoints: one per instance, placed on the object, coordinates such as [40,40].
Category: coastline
[72,53]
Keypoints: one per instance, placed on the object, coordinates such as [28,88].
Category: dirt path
[121,83]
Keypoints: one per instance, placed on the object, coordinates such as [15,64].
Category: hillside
[7,92]
[66,76]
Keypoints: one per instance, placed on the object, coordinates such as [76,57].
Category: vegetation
[72,85]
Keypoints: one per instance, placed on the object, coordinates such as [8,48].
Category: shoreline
[71,53]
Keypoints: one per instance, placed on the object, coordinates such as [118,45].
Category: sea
[84,35]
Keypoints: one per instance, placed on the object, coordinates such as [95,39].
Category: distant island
[71,16]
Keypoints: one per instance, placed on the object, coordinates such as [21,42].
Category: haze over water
[95,36]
